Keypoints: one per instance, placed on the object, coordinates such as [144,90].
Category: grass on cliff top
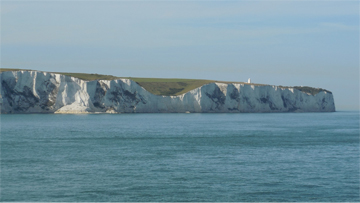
[12,69]
[164,86]
[157,86]
[311,90]
[89,77]
[169,87]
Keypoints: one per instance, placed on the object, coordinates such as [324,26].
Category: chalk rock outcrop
[42,92]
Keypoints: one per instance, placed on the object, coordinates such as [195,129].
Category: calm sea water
[180,157]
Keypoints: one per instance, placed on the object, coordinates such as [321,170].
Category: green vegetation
[12,69]
[82,76]
[311,90]
[174,86]
[167,87]
[308,90]
[89,77]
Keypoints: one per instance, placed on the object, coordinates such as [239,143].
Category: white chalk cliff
[42,92]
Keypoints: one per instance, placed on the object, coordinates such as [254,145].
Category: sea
[175,157]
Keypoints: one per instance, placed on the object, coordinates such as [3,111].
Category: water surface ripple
[180,157]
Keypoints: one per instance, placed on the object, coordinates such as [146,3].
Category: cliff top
[167,86]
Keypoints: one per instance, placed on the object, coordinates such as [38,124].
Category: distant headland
[30,91]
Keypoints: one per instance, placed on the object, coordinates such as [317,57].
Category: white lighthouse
[249,80]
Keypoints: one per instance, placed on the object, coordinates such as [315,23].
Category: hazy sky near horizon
[291,43]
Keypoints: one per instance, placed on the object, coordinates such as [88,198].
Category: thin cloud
[340,26]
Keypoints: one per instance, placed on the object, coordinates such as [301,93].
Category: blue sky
[292,43]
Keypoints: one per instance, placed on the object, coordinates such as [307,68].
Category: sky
[289,43]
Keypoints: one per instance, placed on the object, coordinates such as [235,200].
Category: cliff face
[41,92]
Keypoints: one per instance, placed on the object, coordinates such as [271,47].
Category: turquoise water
[180,157]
